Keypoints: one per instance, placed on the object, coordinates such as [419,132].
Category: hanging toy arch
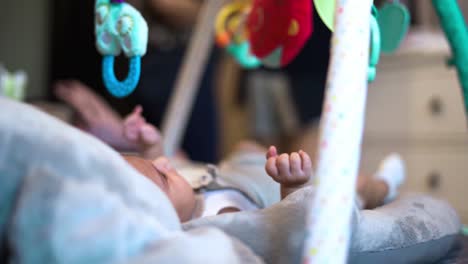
[341,129]
[120,28]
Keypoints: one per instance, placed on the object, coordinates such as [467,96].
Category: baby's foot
[96,116]
[392,172]
[290,170]
[145,137]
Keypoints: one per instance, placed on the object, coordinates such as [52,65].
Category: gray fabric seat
[412,229]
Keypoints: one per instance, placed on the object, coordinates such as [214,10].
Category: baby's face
[161,172]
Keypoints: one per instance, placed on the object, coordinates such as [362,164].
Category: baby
[245,181]
[291,171]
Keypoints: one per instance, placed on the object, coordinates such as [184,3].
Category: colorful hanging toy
[231,33]
[389,26]
[279,29]
[268,32]
[394,21]
[275,31]
[120,27]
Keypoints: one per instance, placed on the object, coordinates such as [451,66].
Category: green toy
[394,22]
[241,52]
[374,45]
[120,27]
[13,85]
[453,24]
[465,230]
[326,11]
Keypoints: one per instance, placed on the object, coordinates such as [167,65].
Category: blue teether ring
[123,88]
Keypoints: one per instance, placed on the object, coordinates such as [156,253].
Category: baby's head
[178,190]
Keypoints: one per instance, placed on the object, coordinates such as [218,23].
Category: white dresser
[415,108]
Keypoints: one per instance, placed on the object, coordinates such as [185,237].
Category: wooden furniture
[415,108]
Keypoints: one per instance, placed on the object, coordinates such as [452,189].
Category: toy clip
[374,45]
[231,34]
[120,27]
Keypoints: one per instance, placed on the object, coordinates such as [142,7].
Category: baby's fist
[137,130]
[290,170]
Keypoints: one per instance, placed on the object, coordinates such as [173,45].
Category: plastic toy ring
[123,88]
[228,12]
[230,33]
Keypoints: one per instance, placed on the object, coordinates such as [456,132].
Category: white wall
[24,37]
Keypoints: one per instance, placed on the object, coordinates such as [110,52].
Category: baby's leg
[383,186]
[372,191]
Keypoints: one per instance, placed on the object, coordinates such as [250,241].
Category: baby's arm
[292,171]
[144,135]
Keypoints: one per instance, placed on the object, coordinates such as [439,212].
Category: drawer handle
[436,106]
[434,181]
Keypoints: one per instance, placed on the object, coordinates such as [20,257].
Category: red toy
[278,29]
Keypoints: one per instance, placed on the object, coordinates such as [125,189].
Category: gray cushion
[413,228]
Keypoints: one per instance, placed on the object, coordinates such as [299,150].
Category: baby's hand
[290,170]
[139,132]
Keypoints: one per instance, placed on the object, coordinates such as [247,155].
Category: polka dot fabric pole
[329,218]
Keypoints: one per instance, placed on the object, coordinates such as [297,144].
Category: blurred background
[414,108]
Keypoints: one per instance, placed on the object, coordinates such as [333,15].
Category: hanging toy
[279,29]
[231,34]
[326,11]
[394,22]
[13,84]
[120,27]
[375,44]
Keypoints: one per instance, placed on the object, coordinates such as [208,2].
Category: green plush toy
[12,85]
[119,26]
